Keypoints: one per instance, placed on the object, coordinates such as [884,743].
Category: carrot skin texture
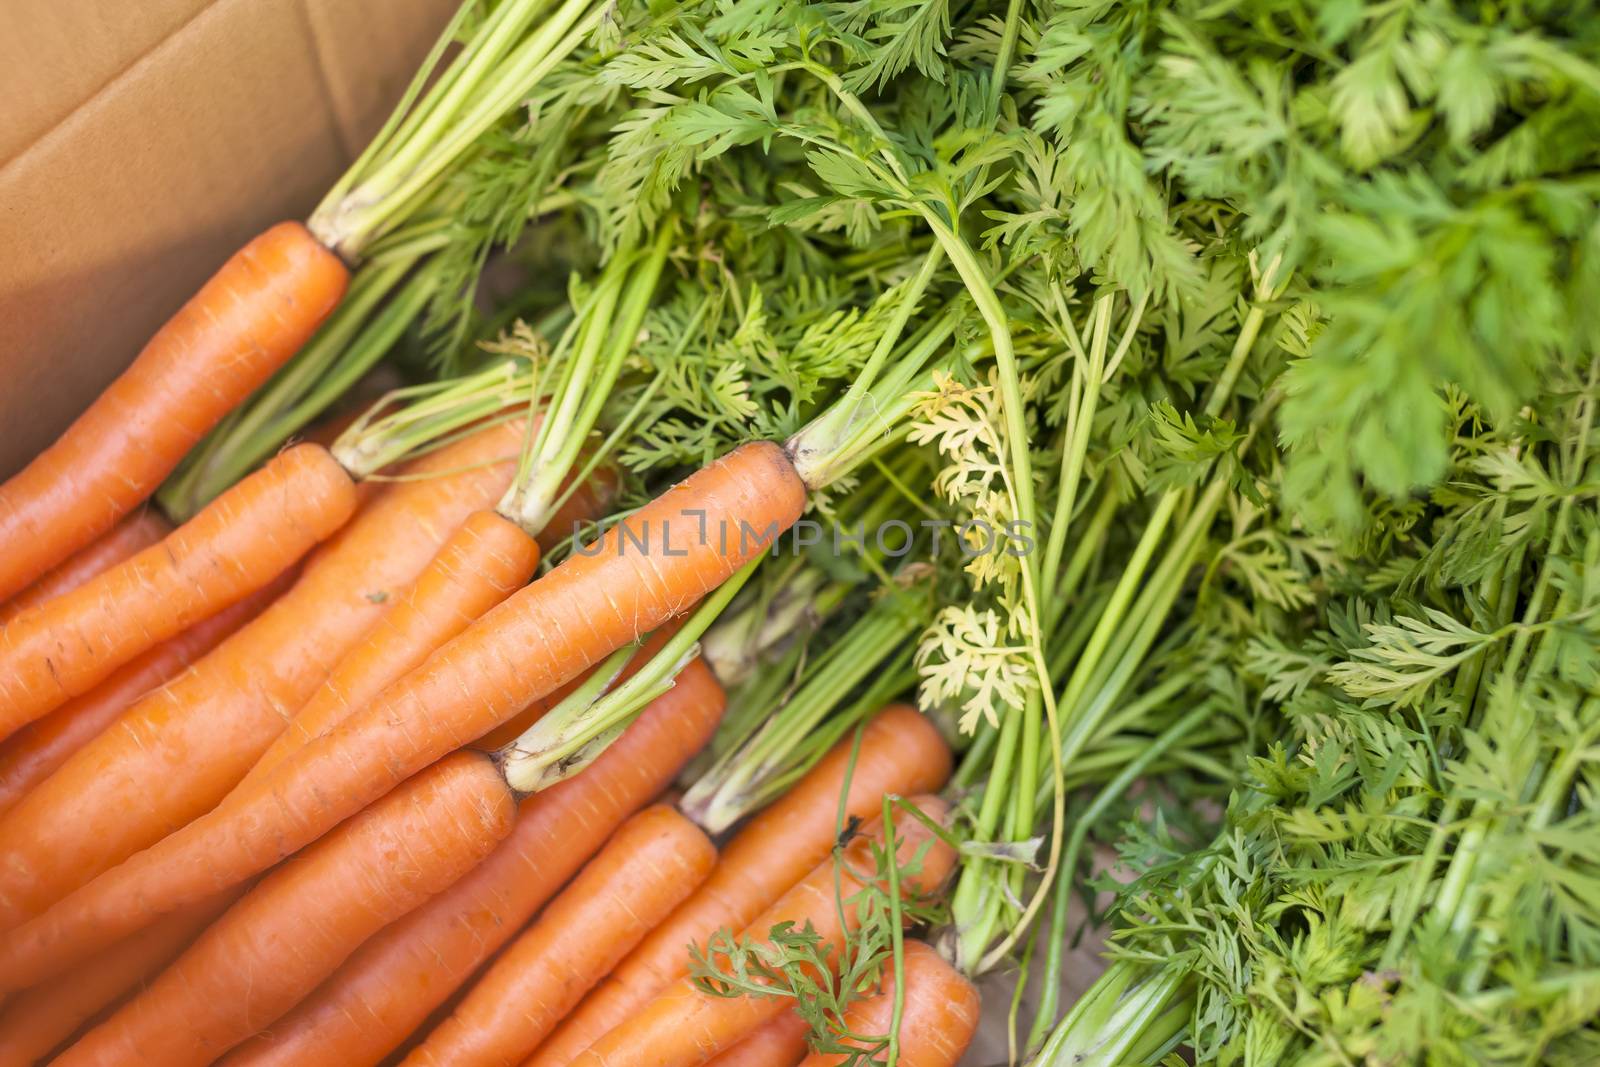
[40,1019]
[938,1018]
[238,544]
[302,921]
[33,753]
[901,752]
[649,865]
[779,1043]
[243,324]
[684,1027]
[484,561]
[180,749]
[478,566]
[392,984]
[133,534]
[538,639]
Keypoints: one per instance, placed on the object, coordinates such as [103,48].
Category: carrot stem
[859,426]
[573,733]
[507,55]
[747,776]
[429,415]
[606,335]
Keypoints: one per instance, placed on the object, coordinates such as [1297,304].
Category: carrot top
[446,109]
[417,419]
[864,666]
[571,735]
[575,380]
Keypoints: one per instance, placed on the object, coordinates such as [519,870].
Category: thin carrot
[133,534]
[249,318]
[779,1043]
[482,562]
[301,922]
[684,1026]
[592,604]
[389,987]
[240,542]
[179,751]
[645,870]
[900,752]
[42,1018]
[939,1015]
[33,753]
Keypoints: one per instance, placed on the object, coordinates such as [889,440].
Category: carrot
[483,561]
[302,921]
[389,987]
[938,1018]
[249,318]
[133,534]
[648,867]
[544,635]
[240,542]
[33,753]
[179,751]
[900,752]
[486,559]
[779,1043]
[43,1017]
[683,1026]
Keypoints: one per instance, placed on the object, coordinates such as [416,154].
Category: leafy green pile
[1408,872]
[1427,172]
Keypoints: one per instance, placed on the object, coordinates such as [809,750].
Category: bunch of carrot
[296,740]
[367,757]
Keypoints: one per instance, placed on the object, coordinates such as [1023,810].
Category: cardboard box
[141,143]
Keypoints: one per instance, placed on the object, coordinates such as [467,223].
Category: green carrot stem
[870,417]
[607,332]
[1135,769]
[895,677]
[576,731]
[429,416]
[740,781]
[438,122]
[1132,1014]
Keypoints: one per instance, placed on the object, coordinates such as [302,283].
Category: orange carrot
[302,921]
[684,1026]
[900,752]
[647,868]
[779,1043]
[389,987]
[702,531]
[482,563]
[179,751]
[249,318]
[240,542]
[33,753]
[43,1017]
[133,534]
[938,1018]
